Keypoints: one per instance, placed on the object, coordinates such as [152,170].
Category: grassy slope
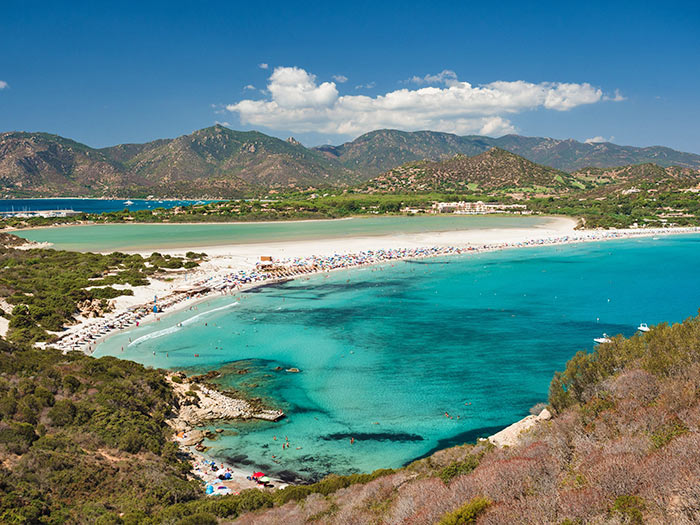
[495,169]
[212,161]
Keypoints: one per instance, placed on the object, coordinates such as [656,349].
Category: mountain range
[220,162]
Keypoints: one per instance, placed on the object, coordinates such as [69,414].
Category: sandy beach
[220,272]
[224,260]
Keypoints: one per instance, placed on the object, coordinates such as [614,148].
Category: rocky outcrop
[510,435]
[203,405]
[93,308]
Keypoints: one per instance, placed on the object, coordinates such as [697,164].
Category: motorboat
[604,339]
[128,203]
[643,327]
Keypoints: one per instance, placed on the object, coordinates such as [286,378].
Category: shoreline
[226,260]
[219,284]
[189,425]
[210,280]
[205,223]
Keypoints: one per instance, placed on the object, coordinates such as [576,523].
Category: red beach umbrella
[258,474]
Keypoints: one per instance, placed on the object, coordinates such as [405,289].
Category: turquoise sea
[137,237]
[386,352]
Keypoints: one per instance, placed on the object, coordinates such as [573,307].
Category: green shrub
[71,383]
[18,437]
[459,468]
[326,486]
[631,508]
[467,513]
[62,413]
[201,518]
[665,434]
[109,293]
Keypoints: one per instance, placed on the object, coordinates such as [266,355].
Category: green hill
[381,150]
[246,159]
[40,164]
[495,169]
[638,175]
[214,161]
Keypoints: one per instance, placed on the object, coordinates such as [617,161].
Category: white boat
[128,203]
[604,339]
[643,327]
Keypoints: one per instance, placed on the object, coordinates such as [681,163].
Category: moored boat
[604,339]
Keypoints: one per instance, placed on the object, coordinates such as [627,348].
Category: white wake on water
[179,326]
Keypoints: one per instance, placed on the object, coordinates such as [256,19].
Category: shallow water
[385,352]
[135,237]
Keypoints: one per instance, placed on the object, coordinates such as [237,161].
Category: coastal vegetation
[645,195]
[86,440]
[292,207]
[43,290]
[607,205]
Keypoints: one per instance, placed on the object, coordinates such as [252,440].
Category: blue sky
[133,72]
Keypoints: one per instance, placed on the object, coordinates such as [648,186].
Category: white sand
[224,260]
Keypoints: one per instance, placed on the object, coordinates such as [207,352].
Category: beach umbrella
[264,479]
[258,474]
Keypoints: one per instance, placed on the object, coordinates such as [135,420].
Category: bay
[415,356]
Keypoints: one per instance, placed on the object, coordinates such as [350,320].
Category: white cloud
[222,123]
[293,88]
[368,85]
[263,65]
[598,140]
[249,86]
[3,84]
[340,79]
[446,76]
[297,103]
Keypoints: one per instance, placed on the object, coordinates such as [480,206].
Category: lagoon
[142,237]
[411,357]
